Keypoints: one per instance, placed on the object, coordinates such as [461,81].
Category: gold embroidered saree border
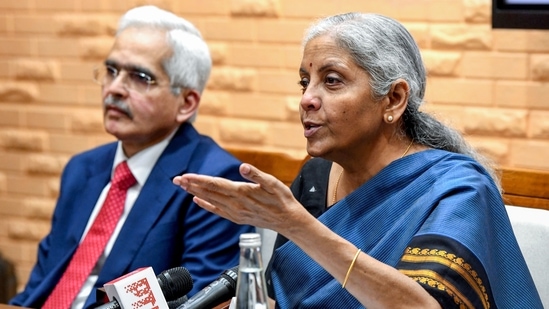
[450,260]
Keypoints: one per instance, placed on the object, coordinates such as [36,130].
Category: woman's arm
[268,203]
[373,283]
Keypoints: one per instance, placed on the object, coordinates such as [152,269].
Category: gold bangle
[350,268]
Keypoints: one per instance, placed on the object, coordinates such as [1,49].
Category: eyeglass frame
[134,73]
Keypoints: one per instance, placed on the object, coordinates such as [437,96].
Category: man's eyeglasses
[134,79]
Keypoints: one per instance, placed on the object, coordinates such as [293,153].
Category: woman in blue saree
[395,210]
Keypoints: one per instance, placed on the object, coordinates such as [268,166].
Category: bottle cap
[250,240]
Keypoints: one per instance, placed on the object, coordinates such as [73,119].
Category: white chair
[531,228]
[268,238]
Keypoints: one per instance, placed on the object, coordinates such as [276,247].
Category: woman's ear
[188,100]
[396,101]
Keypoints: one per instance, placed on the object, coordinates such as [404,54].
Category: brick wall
[490,84]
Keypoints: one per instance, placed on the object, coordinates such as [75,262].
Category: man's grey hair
[190,64]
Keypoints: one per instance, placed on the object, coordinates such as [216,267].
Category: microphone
[217,292]
[173,304]
[172,282]
[175,282]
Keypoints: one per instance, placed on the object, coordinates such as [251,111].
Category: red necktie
[87,254]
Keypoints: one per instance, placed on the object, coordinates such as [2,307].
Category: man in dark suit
[152,82]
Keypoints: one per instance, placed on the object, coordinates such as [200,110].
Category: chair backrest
[523,187]
[526,193]
[268,238]
[527,188]
[531,228]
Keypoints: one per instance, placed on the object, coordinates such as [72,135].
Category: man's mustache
[113,102]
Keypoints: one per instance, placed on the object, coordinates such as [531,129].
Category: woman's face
[338,114]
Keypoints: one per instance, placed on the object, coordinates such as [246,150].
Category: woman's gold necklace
[341,173]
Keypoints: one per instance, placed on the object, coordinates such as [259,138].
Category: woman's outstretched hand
[264,202]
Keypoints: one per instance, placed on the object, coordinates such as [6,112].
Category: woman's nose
[310,100]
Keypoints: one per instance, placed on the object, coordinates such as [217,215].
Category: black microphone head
[175,282]
[174,304]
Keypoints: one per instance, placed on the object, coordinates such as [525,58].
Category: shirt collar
[142,163]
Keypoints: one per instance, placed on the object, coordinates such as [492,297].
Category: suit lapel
[154,197]
[93,177]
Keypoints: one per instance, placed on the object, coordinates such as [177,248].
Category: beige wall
[490,84]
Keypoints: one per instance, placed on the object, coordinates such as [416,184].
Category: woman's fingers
[229,199]
[214,190]
[267,182]
[263,201]
[217,210]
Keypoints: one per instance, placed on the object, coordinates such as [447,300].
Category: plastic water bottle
[251,289]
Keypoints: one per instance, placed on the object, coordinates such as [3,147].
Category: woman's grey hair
[387,51]
[190,64]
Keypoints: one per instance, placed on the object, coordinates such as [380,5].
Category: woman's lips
[310,129]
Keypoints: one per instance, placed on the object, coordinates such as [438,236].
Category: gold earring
[390,118]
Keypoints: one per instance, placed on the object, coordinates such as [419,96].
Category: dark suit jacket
[164,229]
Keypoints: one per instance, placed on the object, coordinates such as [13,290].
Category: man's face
[138,113]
